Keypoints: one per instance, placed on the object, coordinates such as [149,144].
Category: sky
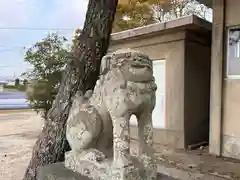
[19,17]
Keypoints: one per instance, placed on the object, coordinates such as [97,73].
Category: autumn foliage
[136,13]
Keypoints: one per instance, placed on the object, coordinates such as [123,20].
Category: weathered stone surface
[57,171]
[91,163]
[98,122]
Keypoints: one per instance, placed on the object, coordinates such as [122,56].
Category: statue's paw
[99,156]
[95,155]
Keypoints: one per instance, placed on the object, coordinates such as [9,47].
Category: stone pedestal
[58,171]
[126,173]
[93,164]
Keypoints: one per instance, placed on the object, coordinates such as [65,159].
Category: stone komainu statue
[98,122]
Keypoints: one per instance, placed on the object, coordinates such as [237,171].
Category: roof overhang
[190,22]
[206,2]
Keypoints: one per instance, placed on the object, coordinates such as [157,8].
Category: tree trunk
[81,74]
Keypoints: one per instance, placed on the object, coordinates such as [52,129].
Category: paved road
[12,95]
[13,100]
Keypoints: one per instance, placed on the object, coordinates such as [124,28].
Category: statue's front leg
[146,151]
[145,131]
[121,140]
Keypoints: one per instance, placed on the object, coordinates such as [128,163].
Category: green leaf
[48,58]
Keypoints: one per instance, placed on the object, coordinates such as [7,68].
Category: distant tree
[131,14]
[179,8]
[17,82]
[48,57]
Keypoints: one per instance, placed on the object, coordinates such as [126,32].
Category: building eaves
[185,22]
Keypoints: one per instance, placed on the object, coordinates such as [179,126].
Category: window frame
[228,76]
[162,61]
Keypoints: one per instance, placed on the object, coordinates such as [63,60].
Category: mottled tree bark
[81,74]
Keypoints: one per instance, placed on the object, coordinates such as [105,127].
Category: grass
[10,90]
[19,88]
[15,111]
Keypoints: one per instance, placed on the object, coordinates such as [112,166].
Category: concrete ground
[18,133]
[200,161]
[195,164]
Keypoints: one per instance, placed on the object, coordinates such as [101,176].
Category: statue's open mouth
[141,65]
